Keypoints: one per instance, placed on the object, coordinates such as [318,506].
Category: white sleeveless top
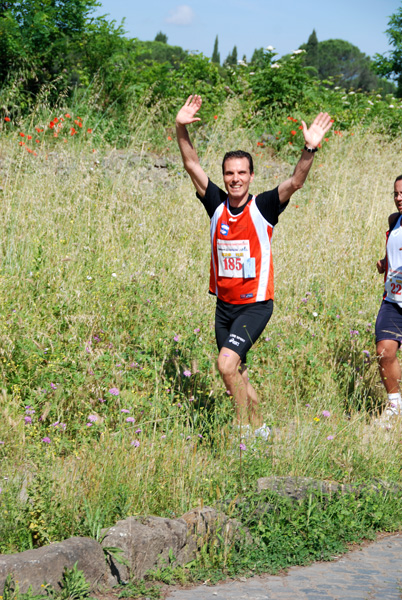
[393,277]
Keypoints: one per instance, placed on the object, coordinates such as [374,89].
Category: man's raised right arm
[185,116]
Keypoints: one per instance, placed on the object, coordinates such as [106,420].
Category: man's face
[237,178]
[398,195]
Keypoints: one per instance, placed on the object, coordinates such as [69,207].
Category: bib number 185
[232,263]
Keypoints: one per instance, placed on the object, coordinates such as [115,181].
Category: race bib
[234,259]
[393,286]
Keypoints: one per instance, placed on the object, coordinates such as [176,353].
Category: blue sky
[250,24]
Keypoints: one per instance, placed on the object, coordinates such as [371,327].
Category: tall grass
[103,286]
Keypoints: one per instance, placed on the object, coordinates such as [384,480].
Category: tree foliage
[44,40]
[231,59]
[343,62]
[216,57]
[391,65]
[161,37]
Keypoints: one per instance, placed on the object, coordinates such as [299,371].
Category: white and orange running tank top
[241,258]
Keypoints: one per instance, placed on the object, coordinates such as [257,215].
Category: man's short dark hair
[238,154]
[398,179]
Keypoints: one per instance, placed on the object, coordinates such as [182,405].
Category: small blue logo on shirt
[224,229]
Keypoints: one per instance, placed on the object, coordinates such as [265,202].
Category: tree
[216,57]
[391,65]
[343,62]
[311,49]
[257,59]
[42,41]
[161,37]
[231,59]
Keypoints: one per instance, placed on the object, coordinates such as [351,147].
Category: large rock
[46,565]
[204,524]
[145,543]
[298,487]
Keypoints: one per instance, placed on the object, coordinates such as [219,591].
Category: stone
[205,523]
[145,543]
[46,564]
[298,487]
[160,163]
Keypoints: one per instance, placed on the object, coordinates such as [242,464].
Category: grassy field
[111,404]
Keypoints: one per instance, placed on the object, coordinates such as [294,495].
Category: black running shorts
[389,322]
[238,326]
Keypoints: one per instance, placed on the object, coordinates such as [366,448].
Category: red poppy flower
[169,138]
[29,137]
[21,143]
[215,117]
[67,116]
[37,141]
[55,120]
[7,119]
[51,124]
[73,131]
[300,126]
[326,139]
[89,130]
[293,132]
[22,134]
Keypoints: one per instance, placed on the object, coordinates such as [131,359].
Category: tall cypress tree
[216,57]
[312,52]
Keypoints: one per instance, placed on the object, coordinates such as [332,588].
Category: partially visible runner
[388,328]
[242,274]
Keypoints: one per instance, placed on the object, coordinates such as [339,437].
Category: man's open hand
[320,126]
[186,114]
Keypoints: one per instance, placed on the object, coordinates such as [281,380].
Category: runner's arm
[185,116]
[382,262]
[312,137]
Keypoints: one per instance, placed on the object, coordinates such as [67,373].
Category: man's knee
[228,363]
[386,350]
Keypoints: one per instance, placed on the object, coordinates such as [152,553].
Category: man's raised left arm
[312,137]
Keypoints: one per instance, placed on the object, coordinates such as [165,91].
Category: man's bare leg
[229,364]
[252,399]
[390,369]
[390,372]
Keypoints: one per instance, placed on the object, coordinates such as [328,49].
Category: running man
[388,328]
[242,275]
